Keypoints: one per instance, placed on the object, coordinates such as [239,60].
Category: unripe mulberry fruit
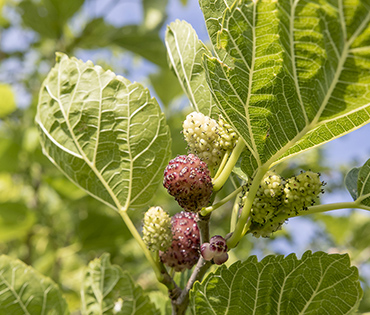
[227,136]
[268,198]
[187,178]
[200,133]
[301,191]
[216,249]
[184,251]
[157,233]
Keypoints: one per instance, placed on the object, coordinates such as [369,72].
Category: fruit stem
[208,210]
[238,232]
[226,171]
[323,208]
[159,269]
[235,212]
[222,165]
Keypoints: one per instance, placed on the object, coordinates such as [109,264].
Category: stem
[238,232]
[323,208]
[159,269]
[334,206]
[224,175]
[235,212]
[208,210]
[222,165]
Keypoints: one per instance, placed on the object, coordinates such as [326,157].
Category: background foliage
[49,224]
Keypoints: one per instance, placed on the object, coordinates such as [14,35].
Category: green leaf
[213,12]
[109,290]
[146,43]
[105,133]
[351,182]
[318,283]
[7,101]
[48,17]
[363,184]
[185,52]
[24,291]
[299,73]
[15,221]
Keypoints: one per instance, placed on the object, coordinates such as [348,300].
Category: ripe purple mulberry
[188,179]
[184,251]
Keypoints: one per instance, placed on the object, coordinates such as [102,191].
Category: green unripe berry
[268,198]
[301,191]
[228,137]
[157,233]
[200,132]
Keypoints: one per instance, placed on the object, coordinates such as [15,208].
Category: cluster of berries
[207,138]
[278,196]
[180,250]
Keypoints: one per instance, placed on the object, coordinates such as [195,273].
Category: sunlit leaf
[299,75]
[185,53]
[7,101]
[318,283]
[105,133]
[107,289]
[23,291]
[15,221]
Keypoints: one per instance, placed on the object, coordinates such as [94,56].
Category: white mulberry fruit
[157,229]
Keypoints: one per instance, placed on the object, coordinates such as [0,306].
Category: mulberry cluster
[188,179]
[184,251]
[157,229]
[216,249]
[277,196]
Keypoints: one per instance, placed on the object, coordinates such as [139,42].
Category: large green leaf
[213,12]
[105,133]
[185,52]
[23,291]
[318,283]
[109,290]
[299,76]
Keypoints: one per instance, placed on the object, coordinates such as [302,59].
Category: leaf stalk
[226,171]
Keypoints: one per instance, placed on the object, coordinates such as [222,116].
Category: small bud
[216,249]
